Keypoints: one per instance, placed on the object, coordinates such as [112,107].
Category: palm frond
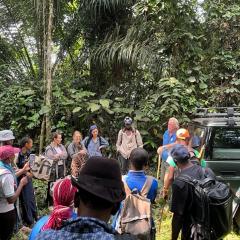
[96,6]
[133,49]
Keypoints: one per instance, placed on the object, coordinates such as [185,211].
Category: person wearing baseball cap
[100,192]
[9,192]
[183,138]
[128,139]
[182,197]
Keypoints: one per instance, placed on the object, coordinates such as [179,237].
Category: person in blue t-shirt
[136,178]
[169,137]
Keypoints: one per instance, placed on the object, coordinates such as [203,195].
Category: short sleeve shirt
[6,191]
[171,162]
[167,139]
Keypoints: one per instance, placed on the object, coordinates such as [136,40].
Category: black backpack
[211,212]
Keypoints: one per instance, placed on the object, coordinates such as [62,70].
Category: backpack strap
[147,185]
[126,187]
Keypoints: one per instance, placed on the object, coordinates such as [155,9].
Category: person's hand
[24,181]
[164,193]
[29,174]
[160,150]
[101,147]
[57,156]
[83,152]
[26,167]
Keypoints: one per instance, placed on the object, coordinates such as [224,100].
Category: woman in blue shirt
[94,143]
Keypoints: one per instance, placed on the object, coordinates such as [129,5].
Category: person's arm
[64,154]
[104,142]
[23,170]
[180,202]
[11,198]
[70,150]
[119,140]
[50,153]
[168,180]
[155,190]
[84,150]
[177,222]
[139,139]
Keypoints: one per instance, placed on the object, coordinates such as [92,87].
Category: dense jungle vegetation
[67,64]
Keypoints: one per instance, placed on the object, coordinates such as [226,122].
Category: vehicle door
[223,154]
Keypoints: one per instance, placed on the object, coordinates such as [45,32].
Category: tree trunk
[42,134]
[48,67]
[46,29]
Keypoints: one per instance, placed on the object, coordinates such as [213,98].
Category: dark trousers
[7,223]
[28,204]
[124,164]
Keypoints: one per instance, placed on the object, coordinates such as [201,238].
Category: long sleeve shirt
[126,143]
[51,152]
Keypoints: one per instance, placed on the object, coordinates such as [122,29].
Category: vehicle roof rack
[230,114]
[217,112]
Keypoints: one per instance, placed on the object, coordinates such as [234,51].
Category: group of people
[17,200]
[96,186]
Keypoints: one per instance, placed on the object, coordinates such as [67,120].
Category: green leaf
[76,109]
[203,86]
[123,110]
[93,107]
[192,79]
[27,92]
[108,111]
[104,102]
[44,110]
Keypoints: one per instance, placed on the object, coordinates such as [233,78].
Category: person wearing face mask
[128,139]
[94,143]
[169,138]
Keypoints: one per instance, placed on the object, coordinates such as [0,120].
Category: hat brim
[113,194]
[6,139]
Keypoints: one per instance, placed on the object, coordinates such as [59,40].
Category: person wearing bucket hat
[6,137]
[128,139]
[182,195]
[9,192]
[100,192]
[94,143]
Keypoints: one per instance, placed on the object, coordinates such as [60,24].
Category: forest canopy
[66,64]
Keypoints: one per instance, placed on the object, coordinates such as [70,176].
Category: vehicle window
[227,138]
[197,136]
[226,143]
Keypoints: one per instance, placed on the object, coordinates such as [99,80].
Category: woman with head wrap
[94,143]
[63,197]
